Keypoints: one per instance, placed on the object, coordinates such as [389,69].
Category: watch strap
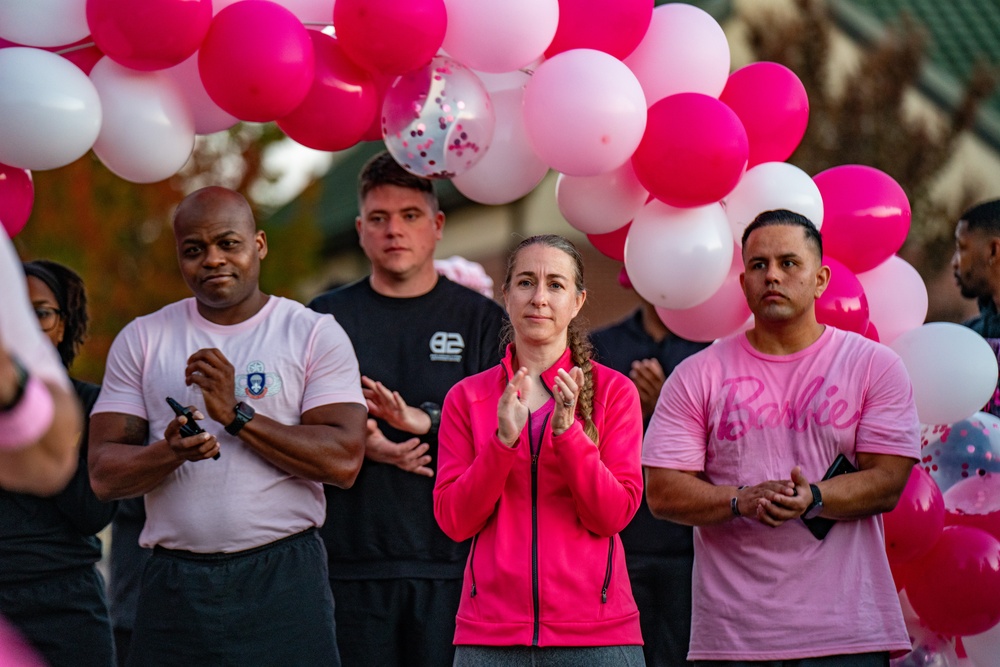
[433,410]
[244,413]
[816,506]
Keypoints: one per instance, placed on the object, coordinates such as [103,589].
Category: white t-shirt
[287,360]
[743,417]
[19,331]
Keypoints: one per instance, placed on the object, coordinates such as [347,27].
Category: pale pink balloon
[208,116]
[678,257]
[256,61]
[771,186]
[43,22]
[897,297]
[499,36]
[603,203]
[724,313]
[684,51]
[510,169]
[584,112]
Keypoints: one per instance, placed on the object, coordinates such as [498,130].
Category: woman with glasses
[49,587]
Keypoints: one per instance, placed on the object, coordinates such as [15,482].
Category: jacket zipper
[472,565]
[535,451]
[607,572]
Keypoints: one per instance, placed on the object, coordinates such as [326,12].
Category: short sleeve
[677,434]
[889,422]
[121,390]
[332,373]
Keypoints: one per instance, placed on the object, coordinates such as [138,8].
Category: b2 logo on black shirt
[446,346]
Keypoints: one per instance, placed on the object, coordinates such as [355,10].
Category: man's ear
[994,249]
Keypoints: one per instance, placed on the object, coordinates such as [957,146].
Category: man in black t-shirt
[976,264]
[659,554]
[396,578]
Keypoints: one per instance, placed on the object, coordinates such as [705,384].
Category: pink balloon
[613,26]
[975,501]
[724,313]
[871,333]
[17,196]
[866,215]
[256,61]
[584,112]
[390,36]
[208,117]
[843,304]
[149,35]
[340,105]
[897,297]
[955,587]
[382,84]
[694,150]
[772,104]
[611,244]
[684,51]
[603,203]
[499,37]
[912,528]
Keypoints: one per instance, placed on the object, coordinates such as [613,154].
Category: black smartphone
[190,427]
[819,526]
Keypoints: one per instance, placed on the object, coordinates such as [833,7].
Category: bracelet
[734,503]
[28,420]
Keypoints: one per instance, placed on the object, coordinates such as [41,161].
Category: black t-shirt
[45,536]
[987,325]
[618,346]
[383,526]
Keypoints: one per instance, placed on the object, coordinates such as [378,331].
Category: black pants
[65,617]
[880,659]
[390,622]
[661,586]
[269,606]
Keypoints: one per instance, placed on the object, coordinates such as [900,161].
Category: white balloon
[678,257]
[503,81]
[603,203]
[208,117]
[499,36]
[584,111]
[510,169]
[953,370]
[50,110]
[148,130]
[897,298]
[769,186]
[43,22]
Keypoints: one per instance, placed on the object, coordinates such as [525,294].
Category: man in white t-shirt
[238,573]
[40,417]
[741,438]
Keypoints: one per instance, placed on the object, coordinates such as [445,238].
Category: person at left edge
[238,573]
[50,589]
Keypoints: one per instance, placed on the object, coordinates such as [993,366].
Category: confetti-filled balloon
[968,448]
[438,121]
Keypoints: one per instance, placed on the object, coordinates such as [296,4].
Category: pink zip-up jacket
[546,566]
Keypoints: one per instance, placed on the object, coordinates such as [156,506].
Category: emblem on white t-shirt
[257,383]
[447,346]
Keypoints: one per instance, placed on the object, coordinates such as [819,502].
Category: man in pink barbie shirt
[738,446]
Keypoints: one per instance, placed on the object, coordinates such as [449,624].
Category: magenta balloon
[955,587]
[866,215]
[256,61]
[912,528]
[340,105]
[693,152]
[772,104]
[151,34]
[975,501]
[843,304]
[613,26]
[390,36]
[17,196]
[724,313]
[611,244]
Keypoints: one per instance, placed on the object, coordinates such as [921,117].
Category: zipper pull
[472,593]
[604,595]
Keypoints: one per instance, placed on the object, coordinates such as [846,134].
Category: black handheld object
[190,426]
[820,526]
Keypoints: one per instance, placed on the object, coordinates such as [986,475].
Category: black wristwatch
[244,413]
[816,506]
[433,411]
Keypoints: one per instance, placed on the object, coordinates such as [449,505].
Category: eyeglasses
[48,318]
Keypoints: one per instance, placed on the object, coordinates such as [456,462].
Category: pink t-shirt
[744,417]
[287,360]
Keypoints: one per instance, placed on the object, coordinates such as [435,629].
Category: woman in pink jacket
[538,463]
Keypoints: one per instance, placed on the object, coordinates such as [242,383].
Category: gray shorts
[552,656]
